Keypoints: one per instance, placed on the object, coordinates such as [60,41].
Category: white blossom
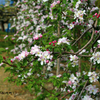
[86,97]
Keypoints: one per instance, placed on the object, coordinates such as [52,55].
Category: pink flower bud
[49,52]
[58,2]
[50,43]
[96,31]
[17,57]
[95,14]
[35,38]
[11,61]
[68,90]
[69,83]
[47,61]
[73,22]
[30,33]
[40,35]
[55,41]
[98,16]
[53,44]
[4,58]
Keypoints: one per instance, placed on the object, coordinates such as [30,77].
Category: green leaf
[2,49]
[86,77]
[7,69]
[1,59]
[64,1]
[9,61]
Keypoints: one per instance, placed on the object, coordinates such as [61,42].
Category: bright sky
[3,1]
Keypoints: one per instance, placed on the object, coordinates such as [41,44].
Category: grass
[5,33]
[3,43]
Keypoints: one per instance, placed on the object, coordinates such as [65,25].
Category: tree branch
[82,35]
[66,95]
[87,43]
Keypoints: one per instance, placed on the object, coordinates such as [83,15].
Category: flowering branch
[9,64]
[91,36]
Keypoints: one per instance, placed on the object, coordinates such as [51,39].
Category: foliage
[52,36]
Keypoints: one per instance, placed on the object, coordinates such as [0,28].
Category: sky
[3,1]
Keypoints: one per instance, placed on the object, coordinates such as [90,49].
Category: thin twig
[66,95]
[72,53]
[9,64]
[81,36]
[87,43]
[82,90]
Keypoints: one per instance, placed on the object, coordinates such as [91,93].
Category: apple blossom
[95,57]
[92,89]
[63,40]
[86,97]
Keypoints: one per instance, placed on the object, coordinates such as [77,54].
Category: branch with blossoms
[53,45]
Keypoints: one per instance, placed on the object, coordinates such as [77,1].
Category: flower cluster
[78,3]
[92,89]
[70,26]
[44,57]
[96,15]
[73,81]
[37,36]
[54,4]
[74,60]
[93,76]
[63,40]
[87,97]
[21,56]
[53,42]
[79,14]
[95,57]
